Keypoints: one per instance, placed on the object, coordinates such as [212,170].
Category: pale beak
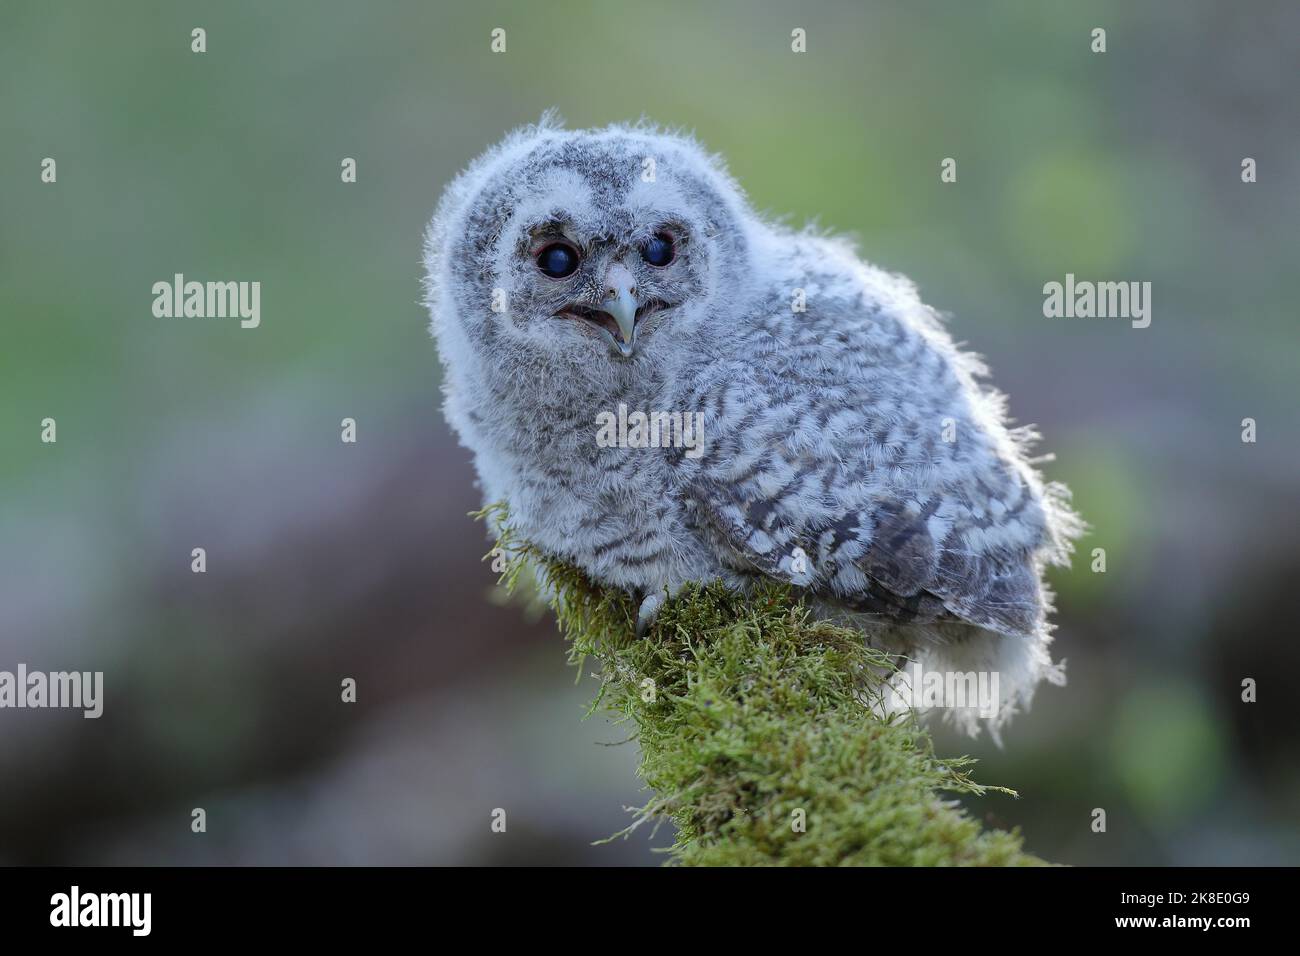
[616,315]
[621,303]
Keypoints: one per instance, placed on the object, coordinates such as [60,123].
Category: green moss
[751,714]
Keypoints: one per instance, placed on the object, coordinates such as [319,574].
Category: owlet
[665,388]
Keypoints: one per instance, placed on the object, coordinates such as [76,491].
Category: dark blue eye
[658,250]
[558,260]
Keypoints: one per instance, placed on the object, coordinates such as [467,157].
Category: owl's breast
[616,511]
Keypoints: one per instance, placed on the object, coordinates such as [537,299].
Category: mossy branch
[756,730]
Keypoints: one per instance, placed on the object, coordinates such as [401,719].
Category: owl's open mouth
[605,320]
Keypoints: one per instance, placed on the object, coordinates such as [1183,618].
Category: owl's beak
[621,303]
[618,311]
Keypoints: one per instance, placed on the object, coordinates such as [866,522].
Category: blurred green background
[328,560]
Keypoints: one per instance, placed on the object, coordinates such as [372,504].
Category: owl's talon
[649,610]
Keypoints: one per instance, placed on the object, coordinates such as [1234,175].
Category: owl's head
[581,248]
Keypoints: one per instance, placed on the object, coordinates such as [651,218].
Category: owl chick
[846,445]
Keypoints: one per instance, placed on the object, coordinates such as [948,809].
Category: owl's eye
[658,249]
[558,260]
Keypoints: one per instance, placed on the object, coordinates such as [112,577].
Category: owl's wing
[859,435]
[884,559]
